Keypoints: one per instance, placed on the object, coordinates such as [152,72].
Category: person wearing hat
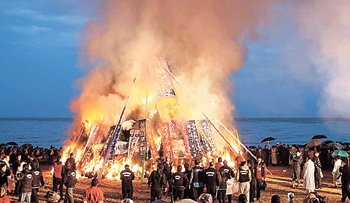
[127,176]
[3,197]
[93,194]
[244,177]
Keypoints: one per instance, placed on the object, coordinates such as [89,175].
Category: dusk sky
[39,64]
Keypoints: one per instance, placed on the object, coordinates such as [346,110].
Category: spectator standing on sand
[187,192]
[253,182]
[211,180]
[5,174]
[38,181]
[219,164]
[260,170]
[71,160]
[127,176]
[244,177]
[93,194]
[196,180]
[309,175]
[57,176]
[3,197]
[274,159]
[336,173]
[69,180]
[26,179]
[297,159]
[17,170]
[229,174]
[318,170]
[345,180]
[179,182]
[156,182]
[167,165]
[266,155]
[222,187]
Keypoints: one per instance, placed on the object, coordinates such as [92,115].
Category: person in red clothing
[260,170]
[3,197]
[57,176]
[239,159]
[93,194]
[219,164]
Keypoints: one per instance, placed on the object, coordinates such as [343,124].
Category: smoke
[203,41]
[326,26]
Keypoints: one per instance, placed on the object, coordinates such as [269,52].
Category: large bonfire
[160,126]
[136,107]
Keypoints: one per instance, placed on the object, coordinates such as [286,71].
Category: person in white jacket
[336,172]
[309,175]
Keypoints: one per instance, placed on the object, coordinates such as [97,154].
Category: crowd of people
[218,181]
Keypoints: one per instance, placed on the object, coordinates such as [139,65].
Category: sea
[46,132]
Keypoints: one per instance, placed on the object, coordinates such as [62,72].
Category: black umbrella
[268,139]
[327,142]
[319,137]
[27,145]
[12,143]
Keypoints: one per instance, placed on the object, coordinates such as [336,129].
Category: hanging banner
[166,140]
[206,138]
[121,148]
[193,139]
[133,141]
[145,126]
[177,137]
[185,140]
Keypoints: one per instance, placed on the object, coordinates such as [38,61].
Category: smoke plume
[202,40]
[326,25]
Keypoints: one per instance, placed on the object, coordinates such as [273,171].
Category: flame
[230,162]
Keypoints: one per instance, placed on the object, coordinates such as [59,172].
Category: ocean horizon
[46,132]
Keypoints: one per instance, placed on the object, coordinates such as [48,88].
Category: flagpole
[115,136]
[144,153]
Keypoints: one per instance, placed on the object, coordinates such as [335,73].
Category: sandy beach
[279,183]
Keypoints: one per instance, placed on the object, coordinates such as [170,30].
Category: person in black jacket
[69,180]
[345,180]
[253,183]
[196,180]
[227,170]
[157,181]
[179,182]
[212,179]
[127,176]
[187,192]
[38,181]
[167,165]
[26,179]
[4,174]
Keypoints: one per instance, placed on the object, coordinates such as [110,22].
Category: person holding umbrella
[345,180]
